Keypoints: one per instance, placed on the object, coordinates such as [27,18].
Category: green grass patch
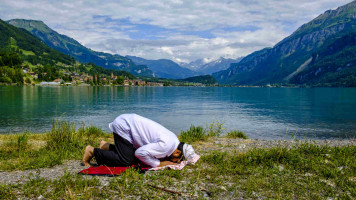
[27,53]
[236,134]
[63,142]
[214,129]
[306,171]
[195,133]
[198,133]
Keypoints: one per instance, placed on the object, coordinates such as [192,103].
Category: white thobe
[151,140]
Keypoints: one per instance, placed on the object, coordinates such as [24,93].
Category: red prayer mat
[103,170]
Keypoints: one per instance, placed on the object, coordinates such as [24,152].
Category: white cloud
[109,25]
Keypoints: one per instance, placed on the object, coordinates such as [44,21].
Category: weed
[90,134]
[214,129]
[22,141]
[236,134]
[6,192]
[193,134]
[61,143]
[61,135]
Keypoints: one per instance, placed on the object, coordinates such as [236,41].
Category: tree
[119,81]
[28,80]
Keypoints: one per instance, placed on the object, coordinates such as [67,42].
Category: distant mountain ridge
[72,47]
[295,53]
[195,65]
[164,68]
[203,67]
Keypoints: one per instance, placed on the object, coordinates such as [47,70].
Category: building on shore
[49,83]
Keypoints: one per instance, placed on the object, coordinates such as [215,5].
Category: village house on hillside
[136,82]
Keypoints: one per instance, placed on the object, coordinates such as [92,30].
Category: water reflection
[260,112]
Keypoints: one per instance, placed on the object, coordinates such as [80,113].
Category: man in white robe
[138,137]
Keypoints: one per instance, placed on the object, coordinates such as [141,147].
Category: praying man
[138,137]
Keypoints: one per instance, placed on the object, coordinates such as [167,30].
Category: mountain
[203,66]
[164,68]
[217,65]
[298,54]
[204,79]
[29,47]
[333,65]
[196,64]
[81,53]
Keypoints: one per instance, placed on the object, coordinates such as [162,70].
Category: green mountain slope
[29,47]
[71,47]
[293,54]
[164,68]
[204,79]
[333,65]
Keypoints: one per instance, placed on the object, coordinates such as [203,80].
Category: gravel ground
[241,145]
[202,148]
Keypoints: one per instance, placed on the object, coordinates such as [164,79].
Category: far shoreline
[217,86]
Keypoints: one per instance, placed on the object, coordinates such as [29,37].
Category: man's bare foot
[88,155]
[86,164]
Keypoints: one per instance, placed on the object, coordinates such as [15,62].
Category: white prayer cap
[188,151]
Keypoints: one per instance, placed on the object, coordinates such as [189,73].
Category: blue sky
[174,29]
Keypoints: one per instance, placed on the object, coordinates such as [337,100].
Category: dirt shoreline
[202,148]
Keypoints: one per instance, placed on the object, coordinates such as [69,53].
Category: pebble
[280,168]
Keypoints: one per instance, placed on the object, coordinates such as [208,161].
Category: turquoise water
[264,113]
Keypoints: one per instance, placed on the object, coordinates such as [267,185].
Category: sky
[180,30]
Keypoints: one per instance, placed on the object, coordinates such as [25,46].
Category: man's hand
[164,163]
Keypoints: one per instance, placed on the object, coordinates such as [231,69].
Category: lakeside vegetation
[306,170]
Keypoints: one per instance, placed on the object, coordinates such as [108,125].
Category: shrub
[193,134]
[236,134]
[28,80]
[5,80]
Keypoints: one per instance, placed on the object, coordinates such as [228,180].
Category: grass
[304,171]
[236,134]
[198,133]
[214,129]
[195,133]
[28,53]
[63,142]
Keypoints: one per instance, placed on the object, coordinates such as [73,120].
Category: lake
[262,113]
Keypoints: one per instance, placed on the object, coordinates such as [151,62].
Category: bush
[28,80]
[193,134]
[5,80]
[236,134]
